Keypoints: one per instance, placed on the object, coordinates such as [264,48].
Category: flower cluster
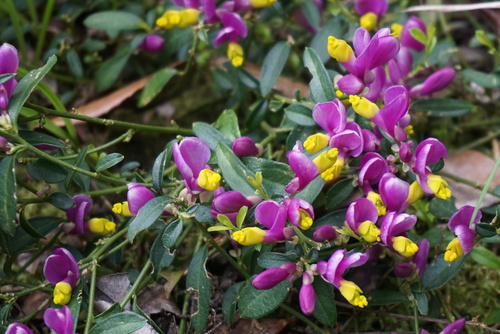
[59,320]
[78,224]
[62,270]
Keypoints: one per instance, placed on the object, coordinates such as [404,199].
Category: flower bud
[137,196]
[152,43]
[245,147]
[407,39]
[403,269]
[324,233]
[273,276]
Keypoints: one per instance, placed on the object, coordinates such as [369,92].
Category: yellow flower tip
[249,236]
[62,293]
[316,142]
[235,54]
[334,170]
[188,17]
[326,159]
[305,220]
[101,226]
[169,20]
[409,130]
[368,21]
[339,49]
[439,186]
[352,293]
[261,3]
[453,251]
[363,106]
[404,246]
[415,193]
[379,204]
[209,179]
[396,29]
[339,93]
[368,231]
[122,209]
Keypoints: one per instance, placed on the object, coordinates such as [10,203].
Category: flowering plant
[308,203]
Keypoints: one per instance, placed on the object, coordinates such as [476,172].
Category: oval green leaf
[443,107]
[125,322]
[39,138]
[273,65]
[198,280]
[257,303]
[172,233]
[325,311]
[108,161]
[210,135]
[321,85]
[338,193]
[147,215]
[233,170]
[155,85]
[62,201]
[113,20]
[439,272]
[300,114]
[46,170]
[485,257]
[486,80]
[8,195]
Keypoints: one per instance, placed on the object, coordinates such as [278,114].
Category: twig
[453,8]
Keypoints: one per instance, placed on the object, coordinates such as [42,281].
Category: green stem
[33,13]
[467,182]
[345,12]
[16,22]
[185,306]
[480,141]
[90,311]
[483,193]
[42,154]
[303,238]
[224,253]
[415,316]
[115,190]
[144,272]
[110,122]
[98,251]
[302,317]
[43,29]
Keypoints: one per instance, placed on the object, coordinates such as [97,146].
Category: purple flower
[191,156]
[59,320]
[234,27]
[195,4]
[61,266]
[18,328]
[370,141]
[300,213]
[76,215]
[324,233]
[361,217]
[245,147]
[349,142]
[152,43]
[403,269]
[271,277]
[434,83]
[304,168]
[420,258]
[307,297]
[377,7]
[272,215]
[137,196]
[230,202]
[373,167]
[459,225]
[392,230]
[9,62]
[394,192]
[400,66]
[455,327]
[406,37]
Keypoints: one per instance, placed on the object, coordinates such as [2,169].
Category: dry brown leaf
[475,167]
[285,86]
[106,103]
[262,326]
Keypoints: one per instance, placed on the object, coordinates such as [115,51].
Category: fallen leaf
[153,301]
[105,104]
[111,289]
[473,166]
[283,85]
[262,326]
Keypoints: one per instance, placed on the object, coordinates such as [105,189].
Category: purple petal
[352,260]
[462,217]
[137,196]
[402,223]
[428,152]
[406,37]
[83,204]
[420,258]
[59,320]
[244,147]
[351,85]
[437,81]
[373,167]
[360,211]
[378,7]
[393,191]
[18,328]
[270,278]
[331,267]
[360,40]
[331,116]
[455,327]
[375,88]
[230,201]
[271,214]
[307,297]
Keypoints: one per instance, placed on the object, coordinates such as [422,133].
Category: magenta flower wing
[83,204]
[331,116]
[428,152]
[18,328]
[377,7]
[407,39]
[394,192]
[459,224]
[61,266]
[59,320]
[137,196]
[360,211]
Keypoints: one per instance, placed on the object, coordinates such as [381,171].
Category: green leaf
[483,39]
[273,259]
[442,208]
[147,215]
[312,190]
[385,297]
[275,175]
[155,85]
[198,280]
[233,171]
[22,240]
[311,13]
[210,135]
[418,34]
[201,213]
[422,302]
[125,322]
[217,228]
[273,65]
[61,200]
[336,26]
[493,318]
[83,181]
[113,20]
[110,70]
[443,107]
[159,256]
[75,302]
[439,272]
[74,63]
[159,166]
[28,228]
[227,124]
[300,114]
[255,303]
[486,80]
[39,138]
[229,302]
[485,230]
[108,161]
[46,170]
[321,85]
[338,193]
[6,77]
[172,233]
[24,88]
[485,257]
[258,111]
[324,310]
[8,195]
